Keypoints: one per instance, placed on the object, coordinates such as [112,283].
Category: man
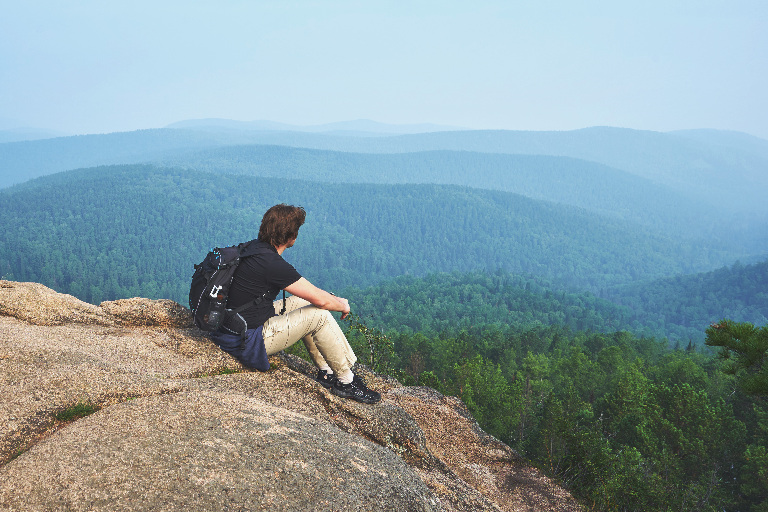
[259,278]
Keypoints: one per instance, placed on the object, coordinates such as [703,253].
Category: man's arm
[318,297]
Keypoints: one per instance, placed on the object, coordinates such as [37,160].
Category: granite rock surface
[175,429]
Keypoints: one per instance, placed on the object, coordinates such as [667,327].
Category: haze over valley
[603,211]
[549,215]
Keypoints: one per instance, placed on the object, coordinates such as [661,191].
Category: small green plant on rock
[220,371]
[75,412]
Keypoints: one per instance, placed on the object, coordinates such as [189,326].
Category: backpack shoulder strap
[252,248]
[254,302]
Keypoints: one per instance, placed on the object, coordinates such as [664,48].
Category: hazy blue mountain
[702,187]
[726,174]
[675,158]
[575,182]
[21,161]
[20,134]
[718,174]
[728,139]
[25,160]
[360,127]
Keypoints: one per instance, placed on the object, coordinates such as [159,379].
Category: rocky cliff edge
[175,429]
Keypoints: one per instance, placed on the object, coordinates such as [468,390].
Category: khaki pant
[322,336]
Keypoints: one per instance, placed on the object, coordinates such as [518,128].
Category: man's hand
[345,310]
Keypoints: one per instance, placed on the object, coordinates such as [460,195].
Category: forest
[121,231]
[624,422]
[596,298]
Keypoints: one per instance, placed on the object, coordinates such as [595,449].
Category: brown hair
[281,223]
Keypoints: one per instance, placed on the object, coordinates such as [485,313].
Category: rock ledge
[176,430]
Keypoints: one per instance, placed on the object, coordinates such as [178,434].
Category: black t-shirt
[262,275]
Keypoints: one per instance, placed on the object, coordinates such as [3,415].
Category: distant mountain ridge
[557,179]
[362,127]
[690,183]
[21,134]
[731,175]
[733,140]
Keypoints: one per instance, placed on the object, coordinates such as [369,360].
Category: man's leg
[325,342]
[292,303]
[322,336]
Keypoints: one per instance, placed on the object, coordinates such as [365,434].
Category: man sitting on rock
[260,277]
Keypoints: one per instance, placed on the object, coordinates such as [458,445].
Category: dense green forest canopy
[681,305]
[625,422]
[680,310]
[123,231]
[459,300]
[115,231]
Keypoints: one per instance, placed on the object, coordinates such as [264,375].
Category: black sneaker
[356,390]
[327,380]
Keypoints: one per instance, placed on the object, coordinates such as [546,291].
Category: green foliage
[378,347]
[116,232]
[228,371]
[223,371]
[77,411]
[460,300]
[626,423]
[754,473]
[683,305]
[494,402]
[744,350]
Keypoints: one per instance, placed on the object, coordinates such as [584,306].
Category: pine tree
[744,348]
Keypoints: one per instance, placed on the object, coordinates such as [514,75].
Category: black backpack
[210,289]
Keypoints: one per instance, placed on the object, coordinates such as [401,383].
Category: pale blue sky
[98,66]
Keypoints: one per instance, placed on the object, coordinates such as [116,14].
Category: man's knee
[325,316]
[314,315]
